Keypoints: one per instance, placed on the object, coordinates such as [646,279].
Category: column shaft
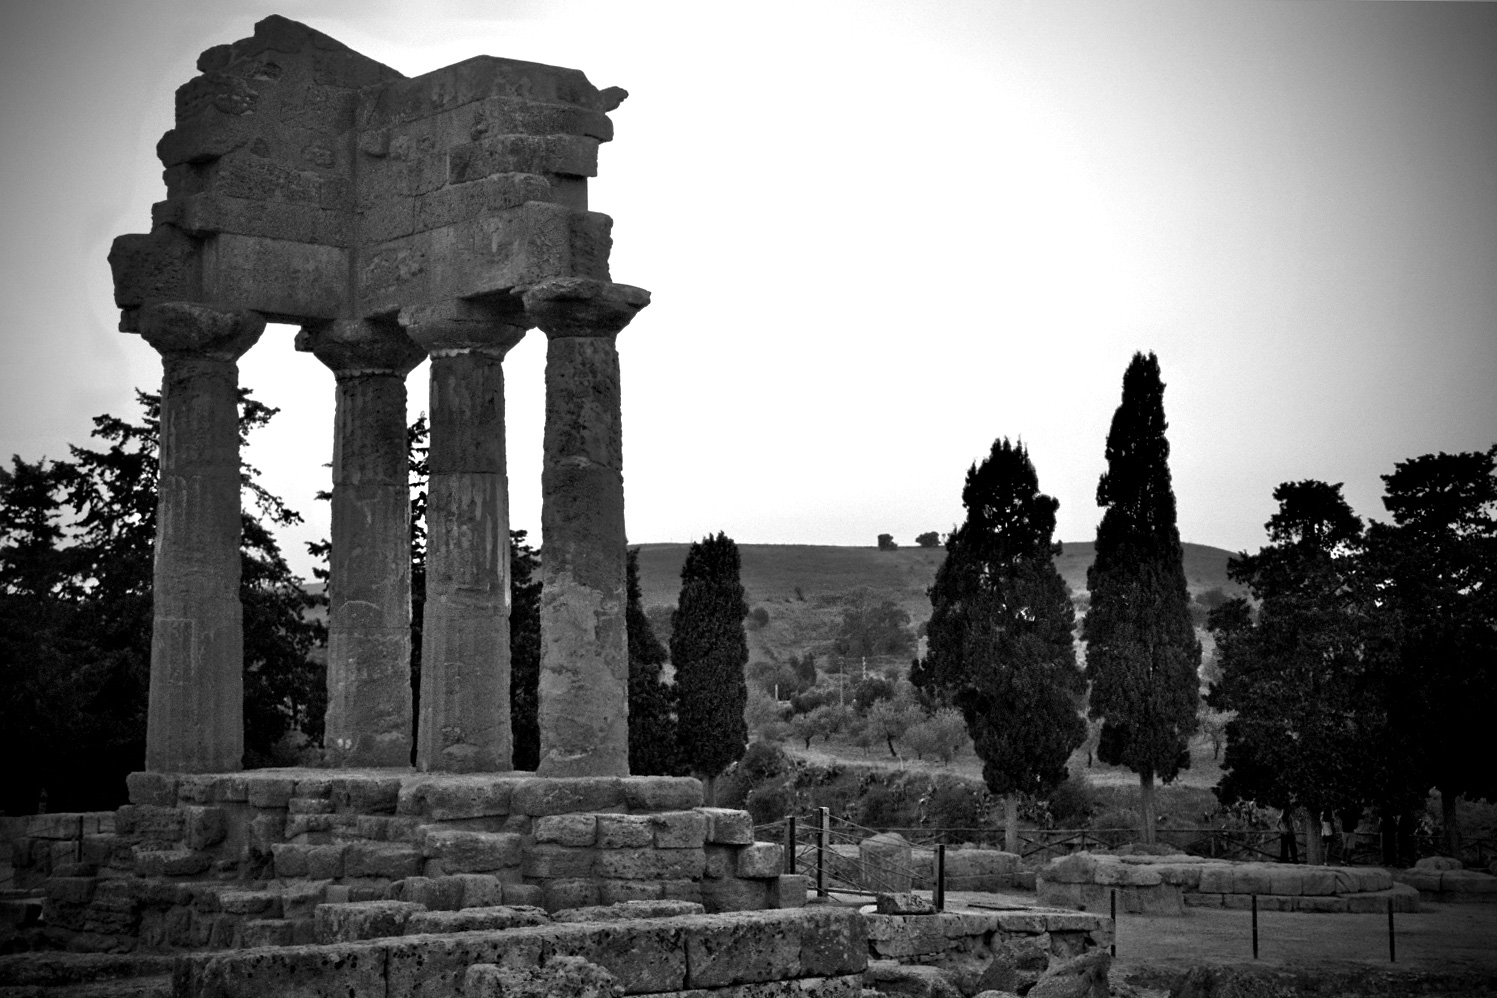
[369,611]
[584,683]
[195,717]
[464,724]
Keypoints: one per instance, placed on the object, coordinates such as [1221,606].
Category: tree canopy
[76,566]
[1142,653]
[709,650]
[652,702]
[1000,634]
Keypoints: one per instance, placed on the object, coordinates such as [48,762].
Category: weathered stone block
[343,923]
[1252,880]
[625,831]
[649,864]
[371,859]
[451,798]
[720,861]
[274,276]
[265,904]
[742,949]
[1317,881]
[573,892]
[1075,868]
[886,862]
[255,932]
[524,895]
[618,891]
[540,796]
[436,893]
[471,852]
[681,890]
[159,789]
[788,890]
[170,862]
[726,826]
[549,860]
[566,829]
[291,971]
[734,894]
[270,791]
[204,827]
[563,975]
[297,806]
[70,890]
[147,824]
[475,919]
[761,859]
[679,829]
[1321,904]
[434,965]
[319,862]
[649,794]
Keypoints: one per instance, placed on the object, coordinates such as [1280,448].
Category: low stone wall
[38,844]
[1440,878]
[981,950]
[1166,885]
[967,869]
[244,859]
[818,950]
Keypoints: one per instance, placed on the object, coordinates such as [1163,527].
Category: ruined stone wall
[221,861]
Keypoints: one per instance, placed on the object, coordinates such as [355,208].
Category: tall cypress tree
[1142,654]
[1000,644]
[710,650]
[524,650]
[652,722]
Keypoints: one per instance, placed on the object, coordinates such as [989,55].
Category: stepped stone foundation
[203,861]
[1167,885]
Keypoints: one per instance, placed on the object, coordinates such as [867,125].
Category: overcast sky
[880,235]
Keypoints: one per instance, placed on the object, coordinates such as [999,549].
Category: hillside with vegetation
[804,589]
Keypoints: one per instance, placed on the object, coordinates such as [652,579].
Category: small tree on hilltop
[709,650]
[929,539]
[652,721]
[886,542]
[1142,653]
[1000,646]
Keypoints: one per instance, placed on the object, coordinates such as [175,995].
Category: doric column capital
[187,328]
[351,347]
[456,327]
[580,306]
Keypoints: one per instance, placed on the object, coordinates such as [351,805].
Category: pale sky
[878,236]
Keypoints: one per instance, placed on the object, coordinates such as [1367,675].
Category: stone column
[368,720]
[464,712]
[195,721]
[584,684]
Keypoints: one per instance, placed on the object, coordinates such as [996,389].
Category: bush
[929,539]
[871,690]
[758,617]
[886,542]
[1071,804]
[953,803]
[942,735]
[885,807]
[770,803]
[762,762]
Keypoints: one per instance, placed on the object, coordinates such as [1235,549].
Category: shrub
[952,803]
[942,735]
[885,807]
[770,802]
[763,762]
[758,617]
[871,690]
[929,539]
[886,542]
[1071,803]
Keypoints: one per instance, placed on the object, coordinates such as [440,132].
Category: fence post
[1114,922]
[941,877]
[789,843]
[78,843]
[1392,953]
[1255,926]
[823,840]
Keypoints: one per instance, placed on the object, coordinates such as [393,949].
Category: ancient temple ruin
[391,219]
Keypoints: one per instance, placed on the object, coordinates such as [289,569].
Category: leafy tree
[892,717]
[823,722]
[76,566]
[418,471]
[873,627]
[942,734]
[652,720]
[886,542]
[1293,675]
[709,650]
[1142,653]
[929,539]
[524,650]
[1000,643]
[1437,565]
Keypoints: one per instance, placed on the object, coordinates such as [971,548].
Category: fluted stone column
[584,683]
[368,720]
[464,713]
[195,720]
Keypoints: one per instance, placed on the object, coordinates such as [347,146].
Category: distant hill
[803,586]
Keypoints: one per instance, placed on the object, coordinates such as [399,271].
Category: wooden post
[941,877]
[823,841]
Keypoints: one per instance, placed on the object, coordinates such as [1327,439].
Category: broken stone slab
[345,923]
[475,919]
[563,975]
[904,903]
[1084,976]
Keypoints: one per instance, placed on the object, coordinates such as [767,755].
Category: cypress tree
[999,638]
[652,723]
[709,650]
[524,650]
[1142,654]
